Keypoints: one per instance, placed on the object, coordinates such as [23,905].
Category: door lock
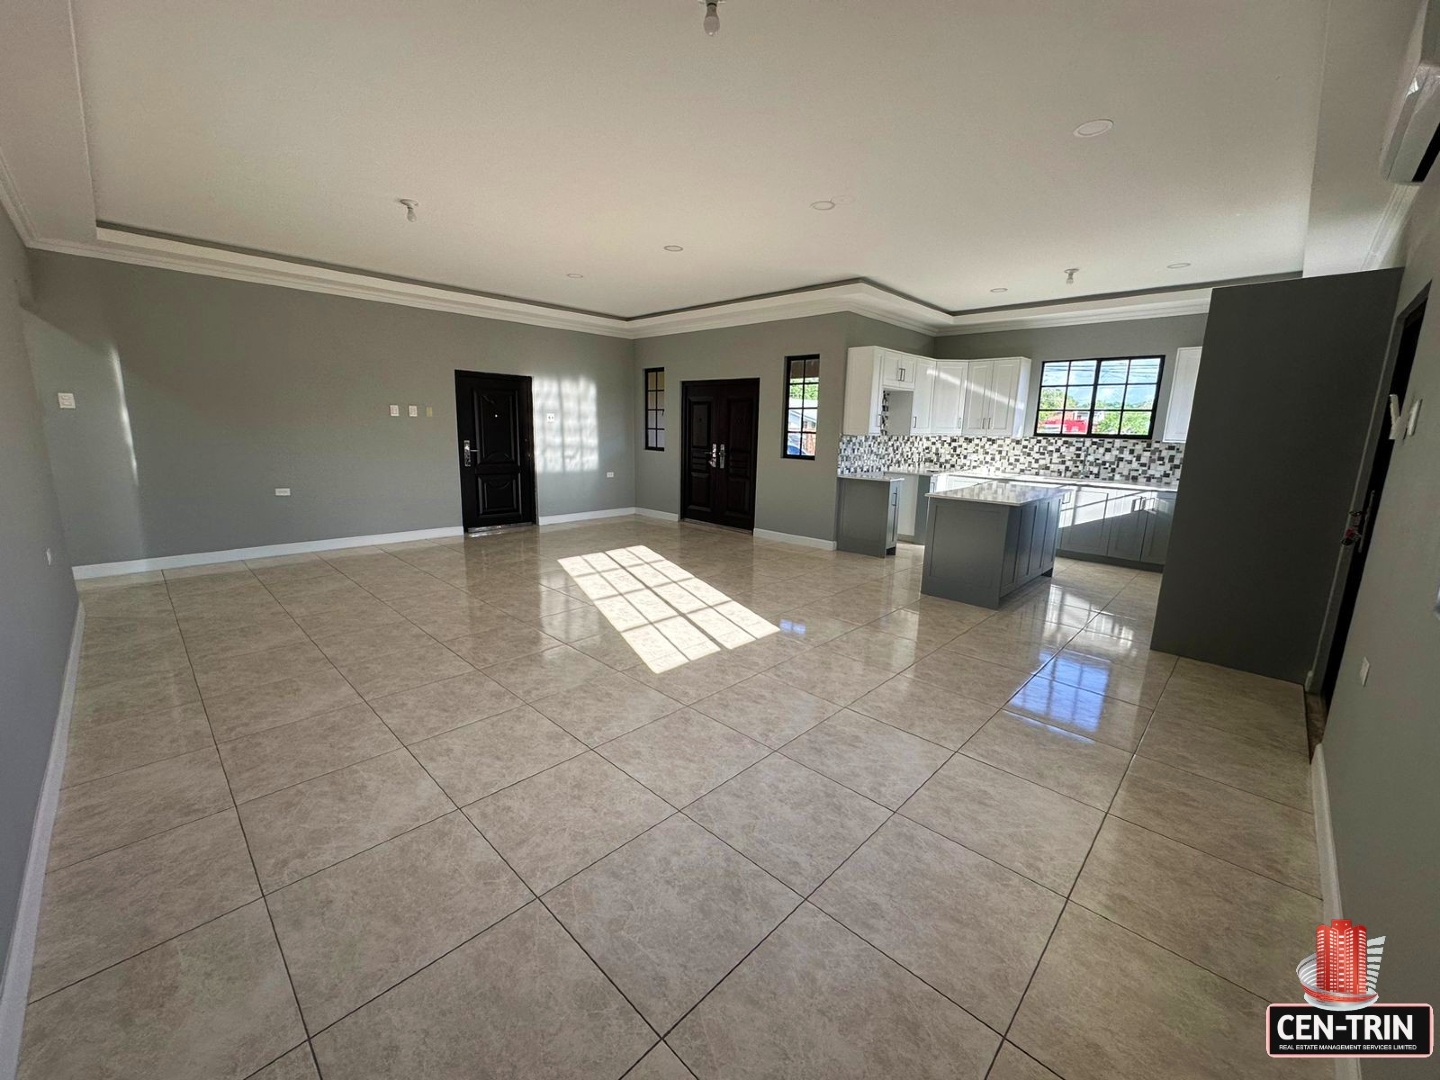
[466,451]
[722,455]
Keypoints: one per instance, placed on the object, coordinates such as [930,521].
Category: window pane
[807,421]
[654,408]
[1048,422]
[1135,423]
[1052,398]
[1078,397]
[1109,397]
[1077,423]
[1113,371]
[1082,371]
[1106,423]
[1140,397]
[660,439]
[812,368]
[1145,369]
[1054,374]
[807,445]
[802,403]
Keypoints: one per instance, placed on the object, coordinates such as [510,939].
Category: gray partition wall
[1287,386]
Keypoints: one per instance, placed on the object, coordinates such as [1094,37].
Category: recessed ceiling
[545,135]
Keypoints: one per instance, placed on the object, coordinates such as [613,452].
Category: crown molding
[1161,306]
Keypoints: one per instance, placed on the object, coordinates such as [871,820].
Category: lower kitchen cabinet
[1126,526]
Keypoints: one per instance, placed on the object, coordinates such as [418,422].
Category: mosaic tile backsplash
[1126,460]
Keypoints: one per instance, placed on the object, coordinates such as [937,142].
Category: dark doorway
[719,432]
[496,449]
[1362,518]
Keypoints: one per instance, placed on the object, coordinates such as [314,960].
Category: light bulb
[712,18]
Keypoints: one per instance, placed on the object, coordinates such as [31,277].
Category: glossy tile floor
[423,812]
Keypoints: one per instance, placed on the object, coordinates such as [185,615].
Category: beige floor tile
[1009,644]
[789,819]
[605,707]
[814,1002]
[299,830]
[559,821]
[404,669]
[117,810]
[659,1064]
[1266,837]
[1107,720]
[473,761]
[977,680]
[682,756]
[135,602]
[501,643]
[447,618]
[574,624]
[1060,760]
[1281,775]
[238,604]
[610,648]
[1012,1063]
[766,652]
[1153,1014]
[547,672]
[298,1064]
[212,1002]
[356,929]
[880,762]
[245,712]
[442,706]
[102,749]
[520,1000]
[1028,828]
[697,679]
[230,674]
[158,656]
[359,612]
[205,641]
[387,639]
[923,709]
[281,756]
[766,709]
[967,926]
[1227,682]
[812,628]
[118,632]
[1177,897]
[669,914]
[831,675]
[106,909]
[877,648]
[1255,721]
[134,697]
[930,627]
[1139,683]
[1132,631]
[120,581]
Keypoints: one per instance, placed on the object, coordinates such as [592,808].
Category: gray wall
[1135,337]
[38,611]
[1383,739]
[225,390]
[794,497]
[1277,437]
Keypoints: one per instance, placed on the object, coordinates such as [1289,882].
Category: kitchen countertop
[878,476]
[1027,478]
[1001,493]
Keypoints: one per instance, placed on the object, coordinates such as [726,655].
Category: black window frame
[785,429]
[656,408]
[1094,385]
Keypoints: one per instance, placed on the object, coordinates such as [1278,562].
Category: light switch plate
[282,491]
[610,476]
[414,410]
[67,401]
[394,410]
[1364,670]
[429,410]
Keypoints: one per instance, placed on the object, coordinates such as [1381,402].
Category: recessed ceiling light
[823,204]
[1091,128]
[1176,266]
[673,247]
[574,275]
[1000,290]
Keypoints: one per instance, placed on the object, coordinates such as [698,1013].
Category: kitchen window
[802,405]
[1112,397]
[655,408]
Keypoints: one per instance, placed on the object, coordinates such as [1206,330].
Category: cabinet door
[977,398]
[1182,395]
[892,520]
[1126,516]
[899,370]
[1086,532]
[923,410]
[947,397]
[1157,527]
[1008,398]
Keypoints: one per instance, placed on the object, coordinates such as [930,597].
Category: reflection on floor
[436,811]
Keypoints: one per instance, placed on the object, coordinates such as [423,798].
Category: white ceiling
[544,138]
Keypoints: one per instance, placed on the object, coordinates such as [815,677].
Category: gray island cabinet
[985,540]
[867,513]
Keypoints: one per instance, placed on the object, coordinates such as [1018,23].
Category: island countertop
[1000,492]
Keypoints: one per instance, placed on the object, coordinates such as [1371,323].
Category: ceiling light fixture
[712,16]
[410,207]
[1070,275]
[673,247]
[1000,290]
[823,204]
[1092,128]
[1176,266]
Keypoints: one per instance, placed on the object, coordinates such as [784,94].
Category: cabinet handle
[902,374]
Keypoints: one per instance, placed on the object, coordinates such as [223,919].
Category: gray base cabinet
[978,552]
[1130,527]
[867,515]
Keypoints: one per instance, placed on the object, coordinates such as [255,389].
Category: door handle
[714,455]
[722,455]
[466,451]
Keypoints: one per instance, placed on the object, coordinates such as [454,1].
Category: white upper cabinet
[895,393]
[898,370]
[1182,395]
[921,415]
[947,397]
[977,398]
[995,392]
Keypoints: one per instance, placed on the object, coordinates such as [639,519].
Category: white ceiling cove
[549,138]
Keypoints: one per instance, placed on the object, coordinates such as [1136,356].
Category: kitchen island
[985,540]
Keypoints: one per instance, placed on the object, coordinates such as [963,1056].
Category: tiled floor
[425,812]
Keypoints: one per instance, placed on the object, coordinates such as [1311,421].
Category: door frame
[684,447]
[527,432]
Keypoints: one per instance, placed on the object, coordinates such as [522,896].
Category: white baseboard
[16,987]
[791,538]
[200,558]
[588,515]
[1325,838]
[661,515]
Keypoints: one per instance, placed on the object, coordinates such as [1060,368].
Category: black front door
[495,448]
[720,422]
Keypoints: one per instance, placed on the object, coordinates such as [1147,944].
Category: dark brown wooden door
[496,450]
[720,437]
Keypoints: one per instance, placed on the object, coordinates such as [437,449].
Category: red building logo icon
[1340,975]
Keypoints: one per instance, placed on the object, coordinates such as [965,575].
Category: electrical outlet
[1364,670]
[609,476]
[67,401]
[282,492]
[394,410]
[414,410]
